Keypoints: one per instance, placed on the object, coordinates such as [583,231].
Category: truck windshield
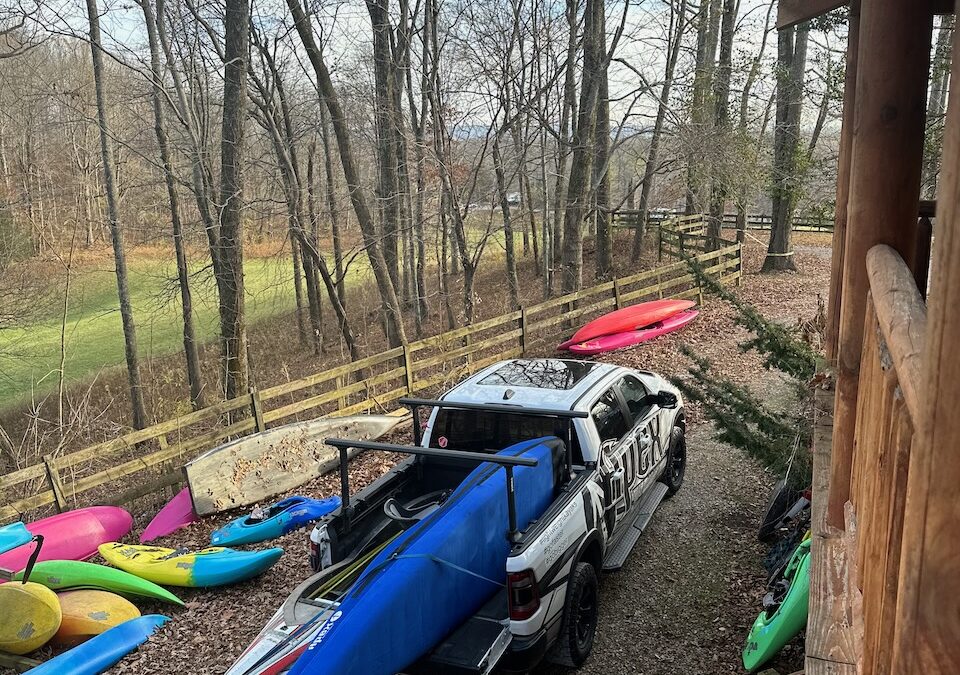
[482,431]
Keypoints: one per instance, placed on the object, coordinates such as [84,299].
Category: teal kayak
[13,535]
[60,575]
[785,612]
[102,651]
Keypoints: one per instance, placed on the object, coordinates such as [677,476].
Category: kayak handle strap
[33,557]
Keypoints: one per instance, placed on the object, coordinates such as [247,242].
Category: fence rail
[755,221]
[151,459]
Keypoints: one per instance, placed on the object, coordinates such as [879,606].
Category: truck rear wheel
[580,611]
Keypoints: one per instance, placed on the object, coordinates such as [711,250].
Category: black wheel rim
[586,615]
[679,461]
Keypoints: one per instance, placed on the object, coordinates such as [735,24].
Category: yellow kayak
[214,566]
[90,612]
[30,616]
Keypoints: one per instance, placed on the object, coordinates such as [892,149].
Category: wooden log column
[892,70]
[843,180]
[927,633]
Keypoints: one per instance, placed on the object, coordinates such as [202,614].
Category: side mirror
[666,399]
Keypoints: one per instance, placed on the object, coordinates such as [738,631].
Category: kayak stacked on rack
[630,326]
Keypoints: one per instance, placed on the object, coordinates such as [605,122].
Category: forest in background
[341,169]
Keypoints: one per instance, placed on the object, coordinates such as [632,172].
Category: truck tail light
[523,595]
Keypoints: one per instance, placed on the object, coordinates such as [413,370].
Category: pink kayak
[608,343]
[73,535]
[177,513]
[629,318]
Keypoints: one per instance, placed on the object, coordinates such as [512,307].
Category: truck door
[615,448]
[643,436]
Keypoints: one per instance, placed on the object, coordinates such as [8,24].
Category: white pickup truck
[625,451]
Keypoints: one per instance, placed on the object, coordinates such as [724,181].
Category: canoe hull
[88,613]
[255,468]
[401,607]
[100,652]
[176,513]
[201,569]
[287,515]
[63,575]
[72,535]
[609,343]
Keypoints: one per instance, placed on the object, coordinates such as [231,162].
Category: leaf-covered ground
[687,595]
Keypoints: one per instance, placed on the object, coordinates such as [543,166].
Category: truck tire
[676,461]
[580,612]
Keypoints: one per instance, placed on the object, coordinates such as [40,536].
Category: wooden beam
[843,181]
[888,141]
[792,12]
[927,631]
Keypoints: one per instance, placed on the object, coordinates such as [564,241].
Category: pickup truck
[625,451]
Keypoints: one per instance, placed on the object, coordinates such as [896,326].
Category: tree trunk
[386,136]
[233,330]
[601,167]
[392,316]
[116,233]
[791,61]
[701,109]
[331,200]
[567,115]
[721,123]
[578,185]
[940,79]
[190,351]
[512,284]
[650,167]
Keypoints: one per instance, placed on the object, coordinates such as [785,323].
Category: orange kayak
[628,318]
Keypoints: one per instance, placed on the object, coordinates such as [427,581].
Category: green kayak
[785,611]
[67,574]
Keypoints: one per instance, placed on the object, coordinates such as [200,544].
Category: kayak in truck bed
[436,574]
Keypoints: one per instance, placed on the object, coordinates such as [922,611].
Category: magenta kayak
[607,343]
[177,513]
[73,535]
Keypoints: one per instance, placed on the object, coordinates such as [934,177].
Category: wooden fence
[755,221]
[149,460]
[856,575]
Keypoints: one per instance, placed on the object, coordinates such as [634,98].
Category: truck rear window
[481,431]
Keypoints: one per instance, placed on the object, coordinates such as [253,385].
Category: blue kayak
[102,651]
[435,575]
[14,535]
[284,516]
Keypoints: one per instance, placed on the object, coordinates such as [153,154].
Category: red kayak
[628,319]
[607,343]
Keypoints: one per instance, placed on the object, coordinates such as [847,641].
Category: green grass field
[30,358]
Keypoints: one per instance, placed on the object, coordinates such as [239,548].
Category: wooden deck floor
[833,631]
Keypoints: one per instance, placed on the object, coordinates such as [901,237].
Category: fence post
[340,384]
[523,330]
[408,368]
[659,284]
[739,264]
[616,292]
[660,242]
[256,408]
[59,500]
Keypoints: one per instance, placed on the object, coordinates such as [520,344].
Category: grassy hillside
[29,358]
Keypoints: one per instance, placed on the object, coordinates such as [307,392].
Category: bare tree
[233,331]
[791,60]
[116,233]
